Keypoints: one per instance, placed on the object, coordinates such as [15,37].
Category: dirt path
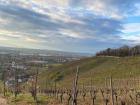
[3,101]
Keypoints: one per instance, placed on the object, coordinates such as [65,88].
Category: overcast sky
[69,25]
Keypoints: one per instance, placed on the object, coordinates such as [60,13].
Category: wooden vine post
[16,87]
[106,83]
[36,82]
[55,89]
[4,83]
[4,67]
[47,79]
[75,88]
[112,93]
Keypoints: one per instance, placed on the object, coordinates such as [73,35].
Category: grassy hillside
[97,68]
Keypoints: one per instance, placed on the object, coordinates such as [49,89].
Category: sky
[84,26]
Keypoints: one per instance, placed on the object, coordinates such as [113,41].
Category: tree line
[120,52]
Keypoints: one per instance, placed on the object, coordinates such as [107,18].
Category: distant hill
[25,51]
[95,68]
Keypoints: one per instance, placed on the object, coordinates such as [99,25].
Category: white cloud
[74,34]
[31,40]
[131,28]
[101,8]
[10,34]
[3,38]
[134,39]
[131,32]
[70,33]
[3,21]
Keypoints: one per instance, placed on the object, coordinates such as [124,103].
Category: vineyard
[112,92]
[27,90]
[69,52]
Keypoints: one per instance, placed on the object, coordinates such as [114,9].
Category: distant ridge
[43,52]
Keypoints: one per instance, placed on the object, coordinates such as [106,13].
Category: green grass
[97,68]
[27,99]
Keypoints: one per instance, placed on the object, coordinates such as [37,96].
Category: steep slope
[95,68]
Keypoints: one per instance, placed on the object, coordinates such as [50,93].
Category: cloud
[29,22]
[131,28]
[55,23]
[131,32]
[111,8]
[32,40]
[134,39]
[3,38]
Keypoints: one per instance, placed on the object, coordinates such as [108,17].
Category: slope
[95,68]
